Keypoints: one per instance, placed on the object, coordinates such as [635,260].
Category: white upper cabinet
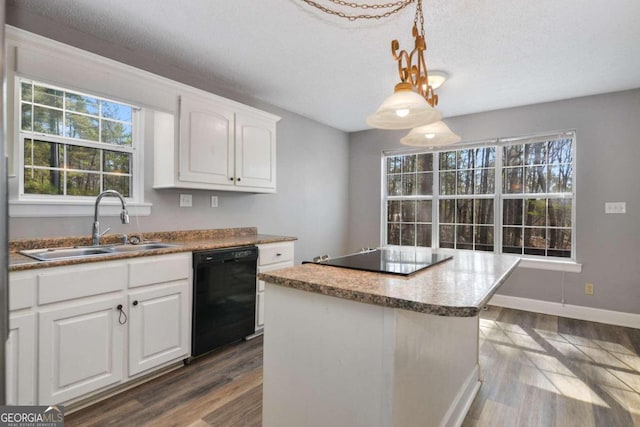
[255,152]
[206,142]
[221,145]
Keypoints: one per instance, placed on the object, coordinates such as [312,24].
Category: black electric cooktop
[391,261]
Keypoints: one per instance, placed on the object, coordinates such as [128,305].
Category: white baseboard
[461,404]
[618,318]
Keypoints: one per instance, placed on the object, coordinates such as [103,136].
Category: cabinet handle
[230,178]
[122,317]
[278,254]
[135,302]
[238,179]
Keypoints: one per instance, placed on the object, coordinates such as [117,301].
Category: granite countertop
[458,287]
[187,241]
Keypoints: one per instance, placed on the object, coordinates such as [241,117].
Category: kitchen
[328,177]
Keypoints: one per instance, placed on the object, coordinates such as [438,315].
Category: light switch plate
[186,201]
[615,208]
[214,201]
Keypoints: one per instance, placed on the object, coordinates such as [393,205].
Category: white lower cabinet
[21,360]
[260,309]
[134,313]
[159,328]
[80,349]
[272,256]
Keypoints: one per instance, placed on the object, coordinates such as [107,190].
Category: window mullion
[435,211]
[497,206]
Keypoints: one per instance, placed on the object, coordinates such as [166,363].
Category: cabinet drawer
[67,283]
[274,253]
[22,288]
[159,269]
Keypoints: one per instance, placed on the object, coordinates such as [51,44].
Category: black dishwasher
[224,297]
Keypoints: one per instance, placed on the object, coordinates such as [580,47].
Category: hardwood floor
[538,370]
[544,370]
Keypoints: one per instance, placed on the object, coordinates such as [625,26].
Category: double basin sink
[54,254]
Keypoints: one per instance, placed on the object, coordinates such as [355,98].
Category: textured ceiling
[499,53]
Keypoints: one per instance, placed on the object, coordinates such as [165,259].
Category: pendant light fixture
[432,135]
[413,101]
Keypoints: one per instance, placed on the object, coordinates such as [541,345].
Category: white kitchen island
[353,348]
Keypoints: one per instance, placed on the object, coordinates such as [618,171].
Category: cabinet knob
[230,178]
[122,316]
[238,179]
[135,302]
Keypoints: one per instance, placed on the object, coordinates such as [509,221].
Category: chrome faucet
[124,215]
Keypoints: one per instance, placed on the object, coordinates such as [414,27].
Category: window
[506,196]
[466,199]
[409,200]
[74,144]
[537,198]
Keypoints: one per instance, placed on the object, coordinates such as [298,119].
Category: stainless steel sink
[142,247]
[52,254]
[65,253]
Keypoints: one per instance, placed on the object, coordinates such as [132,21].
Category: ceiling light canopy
[432,135]
[437,78]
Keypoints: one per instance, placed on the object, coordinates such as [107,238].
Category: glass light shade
[405,109]
[434,135]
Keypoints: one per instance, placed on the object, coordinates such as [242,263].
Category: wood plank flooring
[538,370]
[542,370]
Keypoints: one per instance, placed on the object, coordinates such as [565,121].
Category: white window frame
[527,261]
[43,205]
[429,197]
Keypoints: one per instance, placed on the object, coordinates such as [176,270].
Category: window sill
[552,265]
[55,208]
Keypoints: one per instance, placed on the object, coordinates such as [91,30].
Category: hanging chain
[399,5]
[412,68]
[419,17]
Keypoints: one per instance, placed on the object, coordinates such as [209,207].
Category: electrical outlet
[588,288]
[615,207]
[214,201]
[186,201]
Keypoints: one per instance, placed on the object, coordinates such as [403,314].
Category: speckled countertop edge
[446,297]
[187,241]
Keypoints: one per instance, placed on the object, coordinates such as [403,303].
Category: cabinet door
[80,349]
[264,249]
[259,311]
[255,151]
[20,360]
[160,324]
[206,142]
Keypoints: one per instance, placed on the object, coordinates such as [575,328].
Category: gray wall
[607,169]
[312,171]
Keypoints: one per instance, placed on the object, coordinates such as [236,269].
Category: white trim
[135,77]
[458,410]
[56,208]
[550,264]
[619,318]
